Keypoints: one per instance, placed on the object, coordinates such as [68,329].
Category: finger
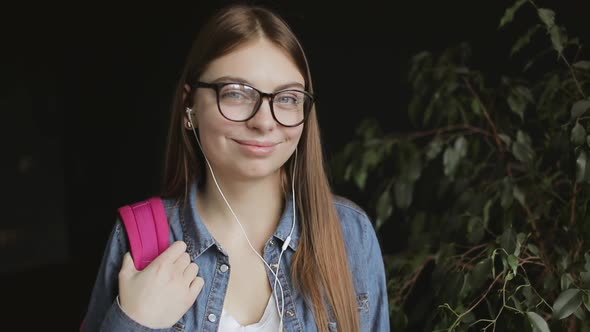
[191,272]
[128,266]
[171,253]
[183,261]
[196,286]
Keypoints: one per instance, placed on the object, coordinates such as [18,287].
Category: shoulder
[346,205]
[355,221]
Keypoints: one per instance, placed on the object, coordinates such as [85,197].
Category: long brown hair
[319,276]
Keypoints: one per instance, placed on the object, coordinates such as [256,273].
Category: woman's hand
[159,295]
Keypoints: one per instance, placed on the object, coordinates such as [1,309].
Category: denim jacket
[364,256]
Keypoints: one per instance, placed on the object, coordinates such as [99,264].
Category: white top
[268,323]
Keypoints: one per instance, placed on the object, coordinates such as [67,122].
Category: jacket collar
[194,227]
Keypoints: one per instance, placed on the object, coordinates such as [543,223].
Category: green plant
[490,190]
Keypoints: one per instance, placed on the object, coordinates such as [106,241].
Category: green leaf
[384,208]
[533,249]
[587,301]
[371,157]
[521,149]
[403,190]
[537,322]
[434,148]
[519,195]
[360,178]
[547,16]
[582,65]
[509,13]
[480,273]
[579,108]
[558,38]
[475,230]
[581,167]
[461,146]
[412,168]
[453,155]
[578,136]
[566,281]
[513,263]
[525,93]
[580,314]
[508,240]
[517,105]
[524,40]
[517,304]
[486,213]
[566,303]
[506,139]
[475,106]
[507,195]
[563,259]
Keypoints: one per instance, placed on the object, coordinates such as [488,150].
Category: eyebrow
[235,79]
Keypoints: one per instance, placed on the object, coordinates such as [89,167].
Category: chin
[258,173]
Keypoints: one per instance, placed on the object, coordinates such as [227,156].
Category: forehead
[260,62]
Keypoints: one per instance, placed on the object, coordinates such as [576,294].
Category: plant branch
[406,289]
[580,90]
[487,115]
[575,191]
[426,133]
[484,295]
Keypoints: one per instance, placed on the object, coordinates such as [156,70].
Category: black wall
[84,98]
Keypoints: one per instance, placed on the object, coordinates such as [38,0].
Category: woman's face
[256,148]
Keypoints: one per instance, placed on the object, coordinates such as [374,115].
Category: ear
[188,126]
[187,123]
[185,93]
[190,122]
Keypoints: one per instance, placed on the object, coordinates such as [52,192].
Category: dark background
[85,93]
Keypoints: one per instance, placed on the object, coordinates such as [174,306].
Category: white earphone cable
[287,240]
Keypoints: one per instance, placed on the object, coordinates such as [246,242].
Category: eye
[287,99]
[290,98]
[232,94]
[236,93]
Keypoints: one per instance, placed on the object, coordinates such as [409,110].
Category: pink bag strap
[147,229]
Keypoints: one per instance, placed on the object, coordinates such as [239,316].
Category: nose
[263,119]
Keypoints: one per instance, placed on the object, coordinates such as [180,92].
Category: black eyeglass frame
[218,86]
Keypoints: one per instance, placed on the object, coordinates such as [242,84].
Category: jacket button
[290,313]
[223,268]
[212,318]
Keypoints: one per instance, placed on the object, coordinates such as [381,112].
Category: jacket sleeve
[379,313]
[104,312]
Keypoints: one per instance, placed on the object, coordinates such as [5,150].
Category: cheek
[294,134]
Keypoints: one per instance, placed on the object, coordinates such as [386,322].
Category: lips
[256,148]
[255,143]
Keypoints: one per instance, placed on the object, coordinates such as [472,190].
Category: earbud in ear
[189,118]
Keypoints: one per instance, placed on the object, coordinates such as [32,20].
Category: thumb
[128,266]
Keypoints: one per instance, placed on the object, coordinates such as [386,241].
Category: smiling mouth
[256,143]
[256,148]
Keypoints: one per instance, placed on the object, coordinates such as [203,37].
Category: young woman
[258,240]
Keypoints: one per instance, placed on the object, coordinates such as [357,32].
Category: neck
[257,203]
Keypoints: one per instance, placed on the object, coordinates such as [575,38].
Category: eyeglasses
[239,102]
